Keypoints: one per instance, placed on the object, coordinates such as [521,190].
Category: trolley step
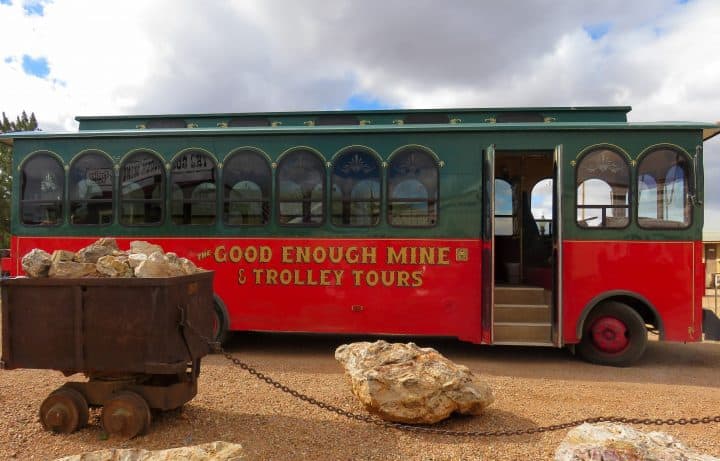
[522,333]
[521,295]
[522,313]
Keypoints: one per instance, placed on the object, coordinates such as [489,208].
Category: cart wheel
[126,414]
[64,410]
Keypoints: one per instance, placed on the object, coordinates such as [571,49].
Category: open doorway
[524,218]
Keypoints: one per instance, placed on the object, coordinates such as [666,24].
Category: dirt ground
[533,387]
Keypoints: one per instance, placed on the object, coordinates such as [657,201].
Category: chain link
[431,430]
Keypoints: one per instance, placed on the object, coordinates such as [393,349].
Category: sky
[64,58]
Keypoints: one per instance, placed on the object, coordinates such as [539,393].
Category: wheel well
[639,304]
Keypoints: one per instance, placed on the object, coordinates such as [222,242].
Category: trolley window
[663,196]
[301,188]
[194,195]
[142,179]
[42,190]
[413,189]
[247,180]
[91,190]
[603,183]
[356,189]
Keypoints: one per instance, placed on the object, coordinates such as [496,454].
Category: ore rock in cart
[139,342]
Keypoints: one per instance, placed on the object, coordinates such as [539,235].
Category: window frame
[349,150]
[171,189]
[388,196]
[60,220]
[266,202]
[323,182]
[163,191]
[627,163]
[688,186]
[111,200]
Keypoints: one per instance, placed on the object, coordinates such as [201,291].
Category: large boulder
[96,250]
[36,263]
[72,269]
[158,265]
[143,247]
[213,451]
[409,384]
[114,266]
[608,441]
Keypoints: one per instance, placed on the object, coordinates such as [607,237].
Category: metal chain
[432,430]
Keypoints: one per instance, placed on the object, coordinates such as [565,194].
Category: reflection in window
[301,188]
[142,182]
[193,184]
[541,204]
[663,190]
[504,208]
[603,180]
[413,189]
[42,190]
[247,179]
[91,190]
[356,189]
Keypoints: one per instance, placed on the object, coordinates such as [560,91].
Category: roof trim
[711,132]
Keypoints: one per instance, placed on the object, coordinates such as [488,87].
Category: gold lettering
[427,255]
[417,278]
[336,254]
[325,277]
[310,278]
[338,277]
[369,255]
[444,256]
[319,255]
[286,258]
[241,277]
[251,254]
[258,275]
[413,255]
[371,278]
[351,255]
[286,277]
[302,254]
[235,254]
[357,275]
[296,277]
[219,254]
[388,278]
[397,256]
[271,277]
[402,279]
[265,254]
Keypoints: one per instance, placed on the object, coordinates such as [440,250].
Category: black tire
[613,334]
[221,322]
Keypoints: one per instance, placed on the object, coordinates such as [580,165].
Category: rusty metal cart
[138,341]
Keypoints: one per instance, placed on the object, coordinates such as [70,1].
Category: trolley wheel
[220,322]
[126,414]
[65,410]
[613,334]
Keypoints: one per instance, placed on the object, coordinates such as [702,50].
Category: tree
[21,123]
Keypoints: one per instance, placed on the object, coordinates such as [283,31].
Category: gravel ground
[533,387]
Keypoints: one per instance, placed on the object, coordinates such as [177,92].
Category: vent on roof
[249,121]
[426,118]
[166,123]
[519,117]
[336,119]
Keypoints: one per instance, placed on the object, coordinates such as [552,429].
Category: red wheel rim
[609,335]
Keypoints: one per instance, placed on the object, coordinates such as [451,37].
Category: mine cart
[139,341]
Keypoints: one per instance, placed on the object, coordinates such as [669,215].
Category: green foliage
[21,123]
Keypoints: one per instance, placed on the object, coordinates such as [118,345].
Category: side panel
[383,286]
[663,273]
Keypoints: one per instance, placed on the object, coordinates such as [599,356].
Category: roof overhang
[711,132]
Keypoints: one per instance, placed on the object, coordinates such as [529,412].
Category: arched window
[91,190]
[603,183]
[504,208]
[541,204]
[413,189]
[301,188]
[663,181]
[42,190]
[356,189]
[193,179]
[247,179]
[142,182]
